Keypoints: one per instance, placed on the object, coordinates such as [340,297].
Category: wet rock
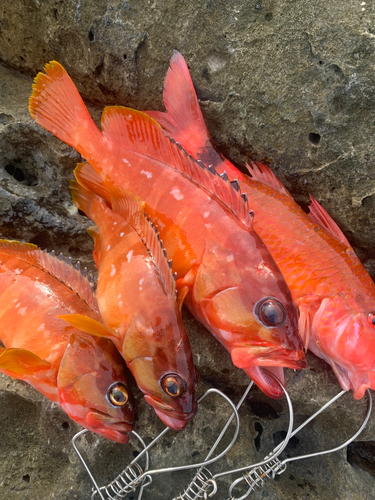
[289,84]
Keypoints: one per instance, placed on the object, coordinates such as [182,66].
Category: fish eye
[117,394]
[371,319]
[173,385]
[270,311]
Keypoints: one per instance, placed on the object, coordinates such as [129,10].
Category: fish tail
[183,120]
[57,106]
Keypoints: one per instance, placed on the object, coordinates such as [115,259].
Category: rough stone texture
[285,82]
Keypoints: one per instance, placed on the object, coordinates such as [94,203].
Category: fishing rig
[134,476]
[204,485]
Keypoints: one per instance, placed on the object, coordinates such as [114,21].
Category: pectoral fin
[22,364]
[88,325]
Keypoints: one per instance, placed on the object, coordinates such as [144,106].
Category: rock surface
[287,83]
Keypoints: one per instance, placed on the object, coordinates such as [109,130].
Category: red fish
[82,374]
[335,294]
[136,295]
[232,284]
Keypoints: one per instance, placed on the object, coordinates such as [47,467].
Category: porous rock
[287,83]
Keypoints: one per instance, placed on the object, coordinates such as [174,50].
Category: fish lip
[176,424]
[272,356]
[110,423]
[168,411]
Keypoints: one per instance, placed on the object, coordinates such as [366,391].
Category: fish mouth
[107,426]
[268,356]
[172,418]
[266,382]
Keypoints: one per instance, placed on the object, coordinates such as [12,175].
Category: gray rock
[287,83]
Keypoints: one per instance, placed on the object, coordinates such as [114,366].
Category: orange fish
[231,282]
[82,374]
[334,293]
[136,295]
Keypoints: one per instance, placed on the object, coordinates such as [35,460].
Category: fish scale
[334,292]
[225,273]
[76,371]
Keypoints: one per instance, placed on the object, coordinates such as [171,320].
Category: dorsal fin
[261,173]
[66,273]
[131,208]
[143,136]
[88,178]
[319,215]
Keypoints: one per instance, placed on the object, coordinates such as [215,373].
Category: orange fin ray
[21,363]
[184,119]
[131,208]
[88,325]
[261,173]
[318,214]
[56,105]
[65,272]
[144,137]
[88,178]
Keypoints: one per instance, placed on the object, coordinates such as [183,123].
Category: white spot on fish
[18,305]
[113,272]
[147,174]
[122,234]
[230,258]
[41,327]
[18,271]
[119,296]
[264,269]
[141,281]
[22,311]
[206,214]
[126,162]
[129,255]
[207,226]
[114,223]
[176,193]
[108,247]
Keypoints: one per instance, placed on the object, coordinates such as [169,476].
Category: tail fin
[56,105]
[183,120]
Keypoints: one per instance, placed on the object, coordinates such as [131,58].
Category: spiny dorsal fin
[261,173]
[49,263]
[131,208]
[143,136]
[319,215]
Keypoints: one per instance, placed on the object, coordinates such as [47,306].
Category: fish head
[343,334]
[93,389]
[248,307]
[159,356]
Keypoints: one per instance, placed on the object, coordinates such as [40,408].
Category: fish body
[334,292]
[232,284]
[137,300]
[84,375]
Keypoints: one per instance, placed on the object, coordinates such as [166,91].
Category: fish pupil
[373,321]
[118,396]
[172,388]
